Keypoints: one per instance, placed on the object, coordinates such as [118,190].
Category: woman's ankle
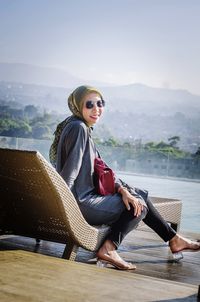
[107,246]
[174,239]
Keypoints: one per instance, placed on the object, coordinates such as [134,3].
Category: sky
[153,42]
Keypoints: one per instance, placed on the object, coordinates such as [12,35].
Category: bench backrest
[34,200]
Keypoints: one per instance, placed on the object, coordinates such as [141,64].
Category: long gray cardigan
[75,163]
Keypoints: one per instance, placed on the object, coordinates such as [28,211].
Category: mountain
[140,98]
[132,112]
[134,99]
[31,74]
[50,86]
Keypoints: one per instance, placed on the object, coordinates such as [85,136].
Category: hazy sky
[154,42]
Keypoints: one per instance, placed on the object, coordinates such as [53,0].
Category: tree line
[26,122]
[31,122]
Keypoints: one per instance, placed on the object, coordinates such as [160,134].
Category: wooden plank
[27,276]
[143,248]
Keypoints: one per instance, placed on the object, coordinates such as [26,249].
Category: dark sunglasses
[90,104]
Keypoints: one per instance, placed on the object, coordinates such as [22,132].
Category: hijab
[75,104]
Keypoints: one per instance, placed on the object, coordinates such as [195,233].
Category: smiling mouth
[94,116]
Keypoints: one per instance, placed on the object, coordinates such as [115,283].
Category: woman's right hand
[130,200]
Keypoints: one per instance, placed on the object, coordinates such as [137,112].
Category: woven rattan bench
[170,209]
[36,202]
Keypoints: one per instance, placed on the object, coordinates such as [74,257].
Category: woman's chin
[93,121]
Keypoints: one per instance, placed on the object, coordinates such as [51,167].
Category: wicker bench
[170,209]
[36,202]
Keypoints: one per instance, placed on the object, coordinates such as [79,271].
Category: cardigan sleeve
[73,146]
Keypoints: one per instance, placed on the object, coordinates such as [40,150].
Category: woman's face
[92,108]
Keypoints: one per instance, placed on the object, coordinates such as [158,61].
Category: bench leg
[70,251]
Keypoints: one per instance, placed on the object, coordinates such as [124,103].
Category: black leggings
[150,216]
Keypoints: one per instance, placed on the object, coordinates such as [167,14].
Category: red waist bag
[104,178]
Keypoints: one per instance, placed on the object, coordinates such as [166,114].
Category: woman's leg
[126,223]
[156,222]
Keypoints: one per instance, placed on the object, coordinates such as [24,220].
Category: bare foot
[108,254]
[179,243]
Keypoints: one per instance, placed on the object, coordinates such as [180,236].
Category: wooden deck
[30,273]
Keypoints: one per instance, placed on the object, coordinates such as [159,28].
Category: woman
[73,153]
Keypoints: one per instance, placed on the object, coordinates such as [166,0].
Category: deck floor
[144,248]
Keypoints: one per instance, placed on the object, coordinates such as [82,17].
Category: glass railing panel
[26,144]
[133,171]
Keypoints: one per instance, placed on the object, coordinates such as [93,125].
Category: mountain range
[33,74]
[132,111]
[49,87]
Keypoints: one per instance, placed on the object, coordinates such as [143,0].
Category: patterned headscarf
[75,103]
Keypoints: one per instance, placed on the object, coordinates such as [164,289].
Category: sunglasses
[90,104]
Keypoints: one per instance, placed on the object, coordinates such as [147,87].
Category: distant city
[138,112]
[135,116]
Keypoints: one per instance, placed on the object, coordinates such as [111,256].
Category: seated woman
[73,153]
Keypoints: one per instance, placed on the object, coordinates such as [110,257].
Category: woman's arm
[73,147]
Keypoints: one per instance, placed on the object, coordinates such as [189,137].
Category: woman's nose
[95,108]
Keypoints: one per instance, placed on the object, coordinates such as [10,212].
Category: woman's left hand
[129,200]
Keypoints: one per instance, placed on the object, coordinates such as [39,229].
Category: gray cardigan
[75,163]
[75,158]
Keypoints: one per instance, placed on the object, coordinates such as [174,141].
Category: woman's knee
[144,212]
[141,216]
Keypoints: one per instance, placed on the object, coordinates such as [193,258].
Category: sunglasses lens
[101,103]
[90,104]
